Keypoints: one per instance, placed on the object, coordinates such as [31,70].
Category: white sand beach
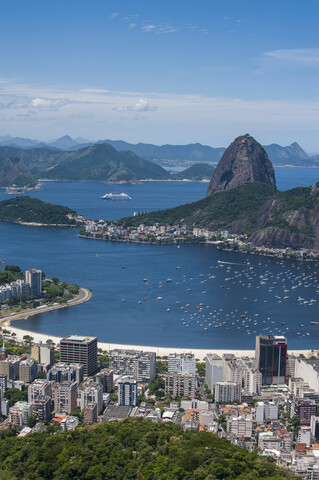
[200,353]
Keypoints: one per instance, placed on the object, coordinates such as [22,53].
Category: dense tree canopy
[132,449]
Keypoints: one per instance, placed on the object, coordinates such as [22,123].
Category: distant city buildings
[63,372]
[31,286]
[138,364]
[79,349]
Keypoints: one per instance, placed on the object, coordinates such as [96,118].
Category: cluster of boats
[245,315]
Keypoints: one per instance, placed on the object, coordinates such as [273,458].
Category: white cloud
[113,15]
[301,57]
[47,103]
[141,106]
[93,112]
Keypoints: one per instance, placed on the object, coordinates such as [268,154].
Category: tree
[161,366]
[201,369]
[31,422]
[114,397]
[14,395]
[12,268]
[27,338]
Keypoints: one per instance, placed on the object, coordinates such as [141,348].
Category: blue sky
[161,72]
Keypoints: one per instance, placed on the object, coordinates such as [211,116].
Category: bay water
[191,296]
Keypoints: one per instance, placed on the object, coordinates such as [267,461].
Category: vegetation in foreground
[131,449]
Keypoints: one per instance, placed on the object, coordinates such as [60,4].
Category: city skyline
[160,74]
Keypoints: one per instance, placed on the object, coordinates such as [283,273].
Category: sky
[161,71]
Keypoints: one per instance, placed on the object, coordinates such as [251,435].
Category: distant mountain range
[166,154]
[99,162]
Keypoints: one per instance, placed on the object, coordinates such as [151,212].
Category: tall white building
[251,376]
[181,363]
[213,370]
[232,371]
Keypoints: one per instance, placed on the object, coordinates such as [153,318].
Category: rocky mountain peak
[244,161]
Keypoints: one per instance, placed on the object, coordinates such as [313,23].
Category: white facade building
[92,393]
[181,363]
[213,370]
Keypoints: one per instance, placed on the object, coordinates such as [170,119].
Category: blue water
[203,291]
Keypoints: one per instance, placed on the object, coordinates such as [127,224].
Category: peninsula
[242,206]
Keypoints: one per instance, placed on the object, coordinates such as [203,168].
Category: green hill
[197,172]
[103,163]
[94,163]
[32,210]
[271,218]
[14,172]
[132,449]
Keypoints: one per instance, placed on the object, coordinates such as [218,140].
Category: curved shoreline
[84,296]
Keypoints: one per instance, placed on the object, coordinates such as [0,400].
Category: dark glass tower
[271,358]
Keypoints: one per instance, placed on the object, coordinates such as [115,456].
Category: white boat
[116,196]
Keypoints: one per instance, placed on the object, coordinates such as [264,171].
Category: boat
[314,323]
[159,298]
[116,196]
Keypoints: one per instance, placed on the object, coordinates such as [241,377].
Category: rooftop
[78,338]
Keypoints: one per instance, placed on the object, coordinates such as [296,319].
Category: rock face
[244,161]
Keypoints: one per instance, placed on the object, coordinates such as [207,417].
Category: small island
[31,211]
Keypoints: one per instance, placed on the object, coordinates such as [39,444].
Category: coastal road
[83,296]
